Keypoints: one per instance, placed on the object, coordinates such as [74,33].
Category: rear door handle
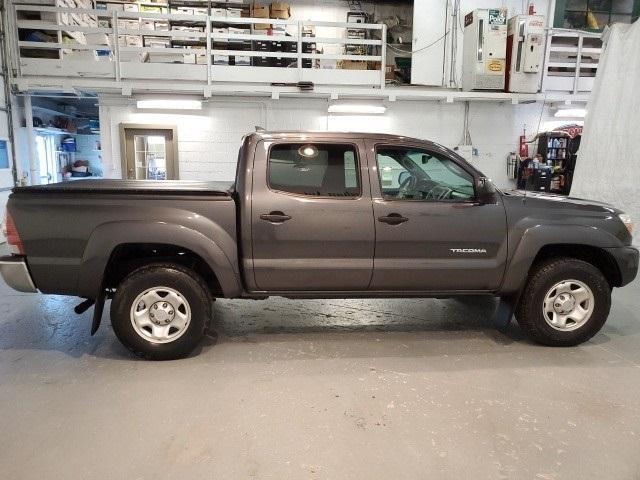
[275,217]
[393,219]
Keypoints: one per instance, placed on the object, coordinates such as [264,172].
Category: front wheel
[565,302]
[160,311]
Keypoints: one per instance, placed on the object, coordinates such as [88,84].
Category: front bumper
[15,272]
[627,260]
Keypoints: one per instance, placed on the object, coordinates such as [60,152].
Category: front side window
[320,170]
[415,174]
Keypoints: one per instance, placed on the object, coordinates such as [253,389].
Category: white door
[429,27]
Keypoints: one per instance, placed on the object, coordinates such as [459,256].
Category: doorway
[149,152]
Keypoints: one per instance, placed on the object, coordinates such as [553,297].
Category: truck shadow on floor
[235,318]
[48,323]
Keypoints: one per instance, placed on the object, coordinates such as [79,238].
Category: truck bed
[145,187]
[69,230]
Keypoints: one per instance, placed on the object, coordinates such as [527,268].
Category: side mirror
[485,191]
[403,176]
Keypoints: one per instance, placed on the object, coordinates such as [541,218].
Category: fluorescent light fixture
[571,113]
[357,108]
[170,104]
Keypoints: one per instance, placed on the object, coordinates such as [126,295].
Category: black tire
[529,312]
[182,280]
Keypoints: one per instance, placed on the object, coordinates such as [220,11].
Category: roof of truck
[324,134]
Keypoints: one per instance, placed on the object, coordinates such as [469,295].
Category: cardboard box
[161,25]
[260,11]
[201,59]
[221,59]
[97,38]
[261,62]
[234,12]
[390,72]
[242,60]
[280,10]
[132,57]
[153,9]
[128,24]
[189,58]
[328,64]
[114,6]
[182,10]
[130,7]
[156,42]
[239,31]
[353,65]
[219,12]
[165,57]
[130,40]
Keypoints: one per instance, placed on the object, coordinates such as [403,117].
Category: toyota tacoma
[317,215]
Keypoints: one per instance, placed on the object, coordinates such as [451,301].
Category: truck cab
[377,213]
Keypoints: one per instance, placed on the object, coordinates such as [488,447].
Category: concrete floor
[393,389]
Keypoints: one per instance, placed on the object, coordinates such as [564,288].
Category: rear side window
[314,169]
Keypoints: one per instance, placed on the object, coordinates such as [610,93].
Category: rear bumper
[627,260]
[16,274]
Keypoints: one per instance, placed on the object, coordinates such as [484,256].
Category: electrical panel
[484,49]
[525,53]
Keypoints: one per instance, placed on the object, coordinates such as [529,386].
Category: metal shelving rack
[571,60]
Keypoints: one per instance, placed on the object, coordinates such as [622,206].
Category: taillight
[13,237]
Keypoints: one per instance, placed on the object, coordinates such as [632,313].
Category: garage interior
[342,388]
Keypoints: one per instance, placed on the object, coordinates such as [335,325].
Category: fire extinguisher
[524,147]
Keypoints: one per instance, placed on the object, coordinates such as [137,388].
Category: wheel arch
[544,242]
[116,241]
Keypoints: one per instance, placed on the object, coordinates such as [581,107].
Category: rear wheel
[566,302]
[160,311]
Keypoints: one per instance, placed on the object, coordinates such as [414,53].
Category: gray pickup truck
[317,215]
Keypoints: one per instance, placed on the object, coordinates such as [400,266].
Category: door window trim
[387,198]
[320,142]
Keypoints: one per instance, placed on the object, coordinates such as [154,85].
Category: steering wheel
[407,186]
[439,192]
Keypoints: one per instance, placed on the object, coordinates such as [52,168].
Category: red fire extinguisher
[524,147]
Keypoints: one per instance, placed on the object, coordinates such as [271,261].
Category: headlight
[626,219]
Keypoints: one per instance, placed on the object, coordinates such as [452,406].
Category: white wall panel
[208,141]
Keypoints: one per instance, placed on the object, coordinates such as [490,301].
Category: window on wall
[595,14]
[326,170]
[4,154]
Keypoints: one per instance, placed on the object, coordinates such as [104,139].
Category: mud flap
[504,311]
[97,311]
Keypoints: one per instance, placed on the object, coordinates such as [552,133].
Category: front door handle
[275,217]
[393,219]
